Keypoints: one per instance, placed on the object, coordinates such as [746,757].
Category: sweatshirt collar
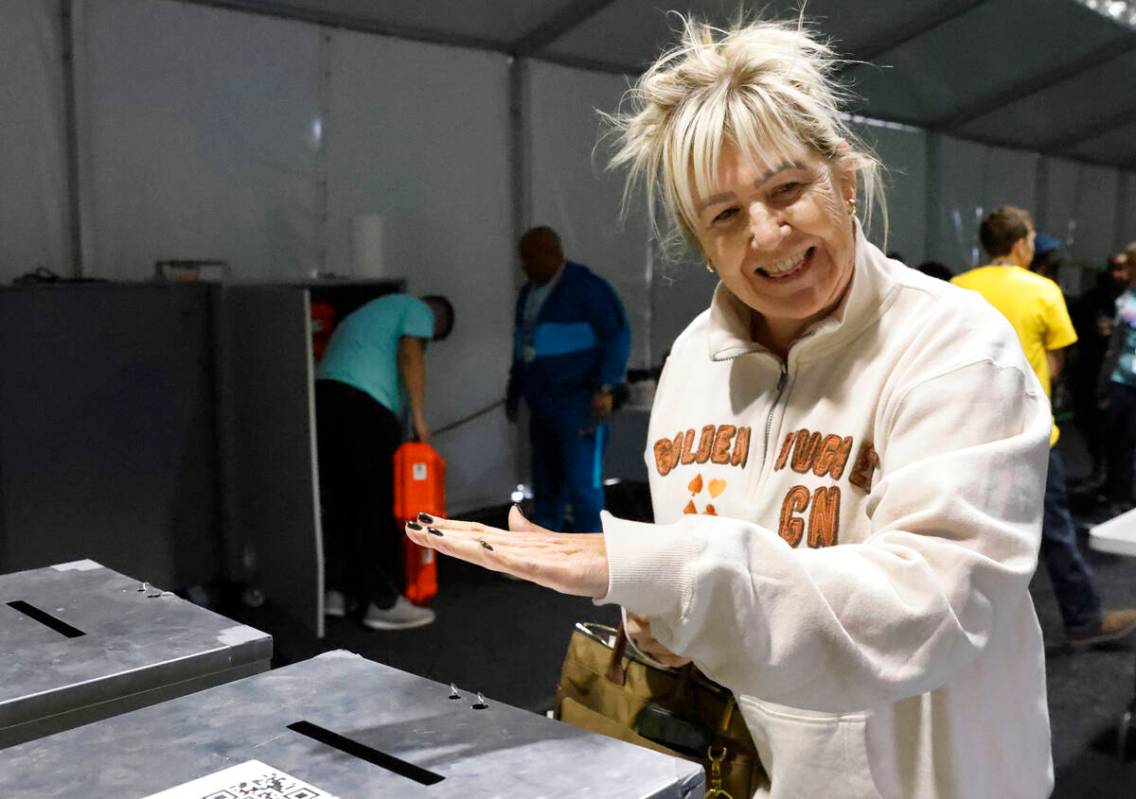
[872,290]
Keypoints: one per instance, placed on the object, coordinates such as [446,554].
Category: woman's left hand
[571,563]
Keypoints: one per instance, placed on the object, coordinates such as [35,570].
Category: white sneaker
[334,604]
[402,616]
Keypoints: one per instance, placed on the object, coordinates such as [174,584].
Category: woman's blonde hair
[768,87]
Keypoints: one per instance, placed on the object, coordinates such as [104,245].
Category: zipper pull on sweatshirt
[781,380]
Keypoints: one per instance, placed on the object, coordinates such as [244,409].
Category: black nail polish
[434,531]
[425,518]
[487,545]
[414,525]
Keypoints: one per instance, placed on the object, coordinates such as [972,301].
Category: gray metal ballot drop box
[344,727]
[80,642]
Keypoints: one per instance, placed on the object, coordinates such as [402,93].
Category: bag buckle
[716,754]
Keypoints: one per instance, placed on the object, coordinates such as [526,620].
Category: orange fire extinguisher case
[323,324]
[419,486]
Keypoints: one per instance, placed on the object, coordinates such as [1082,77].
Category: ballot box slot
[363,752]
[46,619]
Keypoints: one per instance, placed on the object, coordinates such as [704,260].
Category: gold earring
[709,267]
[852,206]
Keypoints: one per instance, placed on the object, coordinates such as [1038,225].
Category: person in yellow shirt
[1036,308]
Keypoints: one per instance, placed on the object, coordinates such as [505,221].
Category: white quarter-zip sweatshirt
[845,540]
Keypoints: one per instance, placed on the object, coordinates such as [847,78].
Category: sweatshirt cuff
[647,566]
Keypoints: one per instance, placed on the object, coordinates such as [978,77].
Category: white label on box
[418,471]
[245,781]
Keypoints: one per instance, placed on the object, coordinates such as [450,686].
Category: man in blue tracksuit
[570,346]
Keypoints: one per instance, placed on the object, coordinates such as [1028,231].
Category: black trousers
[362,545]
[1121,442]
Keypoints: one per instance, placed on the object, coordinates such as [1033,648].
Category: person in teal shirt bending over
[373,367]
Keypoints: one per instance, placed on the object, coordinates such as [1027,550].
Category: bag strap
[728,713]
[615,671]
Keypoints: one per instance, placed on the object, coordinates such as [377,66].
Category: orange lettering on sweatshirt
[687,451]
[833,457]
[866,462]
[720,453]
[824,518]
[786,448]
[792,527]
[805,448]
[665,456]
[722,444]
[704,443]
[741,448]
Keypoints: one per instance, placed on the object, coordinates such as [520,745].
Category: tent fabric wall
[267,172]
[958,182]
[971,179]
[903,151]
[199,138]
[416,133]
[1126,214]
[1058,215]
[1097,194]
[1081,208]
[572,191]
[34,216]
[680,290]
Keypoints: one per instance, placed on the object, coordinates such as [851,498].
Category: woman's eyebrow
[714,199]
[777,170]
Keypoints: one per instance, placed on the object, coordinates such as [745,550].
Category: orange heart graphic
[717,487]
[695,485]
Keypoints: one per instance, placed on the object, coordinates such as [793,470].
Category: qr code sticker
[249,780]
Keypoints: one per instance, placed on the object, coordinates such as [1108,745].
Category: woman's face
[781,239]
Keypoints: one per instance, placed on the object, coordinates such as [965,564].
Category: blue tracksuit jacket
[579,341]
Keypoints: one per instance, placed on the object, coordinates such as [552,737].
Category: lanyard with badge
[528,325]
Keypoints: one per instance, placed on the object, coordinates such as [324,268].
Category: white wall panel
[1060,217]
[1081,208]
[199,136]
[972,179]
[958,180]
[572,192]
[903,151]
[1096,214]
[419,135]
[1010,178]
[33,204]
[1126,218]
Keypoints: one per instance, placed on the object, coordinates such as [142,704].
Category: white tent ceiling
[1047,75]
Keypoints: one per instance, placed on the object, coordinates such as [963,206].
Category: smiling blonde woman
[847,458]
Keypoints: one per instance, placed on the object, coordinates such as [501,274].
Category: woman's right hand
[639,632]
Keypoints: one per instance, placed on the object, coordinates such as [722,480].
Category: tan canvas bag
[608,689]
